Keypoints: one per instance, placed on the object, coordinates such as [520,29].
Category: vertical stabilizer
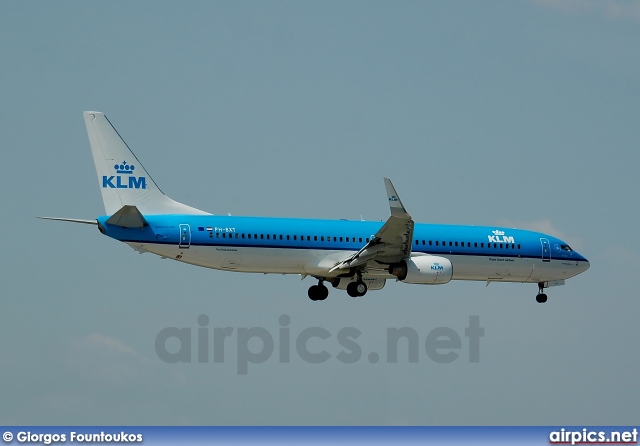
[121,177]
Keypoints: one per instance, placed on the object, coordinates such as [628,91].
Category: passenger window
[518,245]
[482,245]
[322,238]
[268,237]
[456,243]
[437,243]
[451,244]
[315,238]
[475,244]
[308,238]
[500,245]
[217,235]
[367,239]
[360,239]
[340,238]
[295,237]
[430,243]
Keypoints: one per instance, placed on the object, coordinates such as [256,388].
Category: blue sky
[516,113]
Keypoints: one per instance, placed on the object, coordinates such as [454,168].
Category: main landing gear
[354,289]
[541,297]
[357,288]
[318,292]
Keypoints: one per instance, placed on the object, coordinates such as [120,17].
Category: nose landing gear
[541,297]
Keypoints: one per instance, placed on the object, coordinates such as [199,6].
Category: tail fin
[121,177]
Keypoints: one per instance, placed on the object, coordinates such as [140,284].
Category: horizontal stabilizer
[127,217]
[73,220]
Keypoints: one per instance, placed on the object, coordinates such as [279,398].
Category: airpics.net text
[256,345]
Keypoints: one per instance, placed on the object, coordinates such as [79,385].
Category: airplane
[356,256]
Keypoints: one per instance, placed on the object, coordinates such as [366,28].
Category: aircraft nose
[584,265]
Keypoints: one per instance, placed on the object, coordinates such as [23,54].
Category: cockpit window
[566,248]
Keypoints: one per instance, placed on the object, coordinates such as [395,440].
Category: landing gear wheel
[356,289]
[541,298]
[313,292]
[318,292]
[323,292]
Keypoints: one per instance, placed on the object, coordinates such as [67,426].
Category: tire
[541,298]
[313,292]
[352,290]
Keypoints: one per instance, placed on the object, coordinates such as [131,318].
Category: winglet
[397,209]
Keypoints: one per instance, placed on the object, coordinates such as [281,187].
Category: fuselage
[311,247]
[355,256]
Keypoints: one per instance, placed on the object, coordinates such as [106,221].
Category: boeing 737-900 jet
[355,256]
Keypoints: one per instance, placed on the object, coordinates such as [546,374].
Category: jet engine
[425,270]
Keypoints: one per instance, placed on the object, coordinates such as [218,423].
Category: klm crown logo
[124,168]
[121,181]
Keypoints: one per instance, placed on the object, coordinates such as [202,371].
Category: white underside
[318,262]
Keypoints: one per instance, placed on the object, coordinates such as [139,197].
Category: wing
[391,243]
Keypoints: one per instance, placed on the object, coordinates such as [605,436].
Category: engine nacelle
[425,270]
[373,283]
